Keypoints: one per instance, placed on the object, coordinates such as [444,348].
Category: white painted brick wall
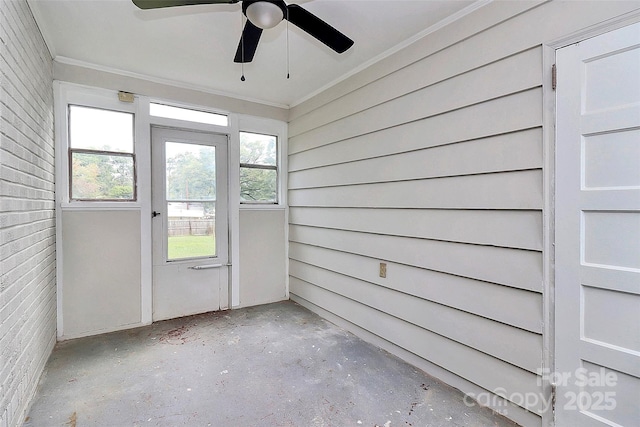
[27,215]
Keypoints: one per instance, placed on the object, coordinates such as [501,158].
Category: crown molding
[167,82]
[432,29]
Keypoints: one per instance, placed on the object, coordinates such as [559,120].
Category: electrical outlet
[383,269]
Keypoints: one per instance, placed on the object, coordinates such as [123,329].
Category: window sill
[109,206]
[259,206]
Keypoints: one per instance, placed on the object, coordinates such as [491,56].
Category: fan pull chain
[242,24]
[288,67]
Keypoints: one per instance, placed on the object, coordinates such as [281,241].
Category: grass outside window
[181,247]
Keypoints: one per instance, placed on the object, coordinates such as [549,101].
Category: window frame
[102,153]
[275,167]
[99,100]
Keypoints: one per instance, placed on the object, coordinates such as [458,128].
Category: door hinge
[554,388]
[554,77]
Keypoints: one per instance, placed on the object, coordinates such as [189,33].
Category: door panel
[190,227]
[598,231]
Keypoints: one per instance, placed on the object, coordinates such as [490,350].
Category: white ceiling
[194,46]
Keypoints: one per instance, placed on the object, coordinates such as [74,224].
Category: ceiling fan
[265,14]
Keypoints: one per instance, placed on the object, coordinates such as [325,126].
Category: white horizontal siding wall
[27,220]
[432,162]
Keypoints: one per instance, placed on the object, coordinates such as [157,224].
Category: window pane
[257,149]
[169,112]
[102,177]
[191,171]
[191,230]
[105,130]
[258,185]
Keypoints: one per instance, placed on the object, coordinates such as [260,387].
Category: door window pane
[191,230]
[191,200]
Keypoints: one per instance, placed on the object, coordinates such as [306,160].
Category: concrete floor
[273,365]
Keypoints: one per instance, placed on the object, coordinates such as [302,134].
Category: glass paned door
[190,226]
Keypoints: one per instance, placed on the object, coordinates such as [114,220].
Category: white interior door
[598,231]
[190,226]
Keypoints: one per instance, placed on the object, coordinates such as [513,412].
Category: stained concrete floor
[273,365]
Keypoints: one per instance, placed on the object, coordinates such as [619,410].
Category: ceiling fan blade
[248,43]
[319,29]
[156,4]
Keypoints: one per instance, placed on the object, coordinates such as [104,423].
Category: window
[258,168]
[101,155]
[170,112]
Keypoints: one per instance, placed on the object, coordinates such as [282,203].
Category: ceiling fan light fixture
[264,14]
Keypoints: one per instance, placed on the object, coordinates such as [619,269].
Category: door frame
[233,183]
[549,173]
[221,261]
